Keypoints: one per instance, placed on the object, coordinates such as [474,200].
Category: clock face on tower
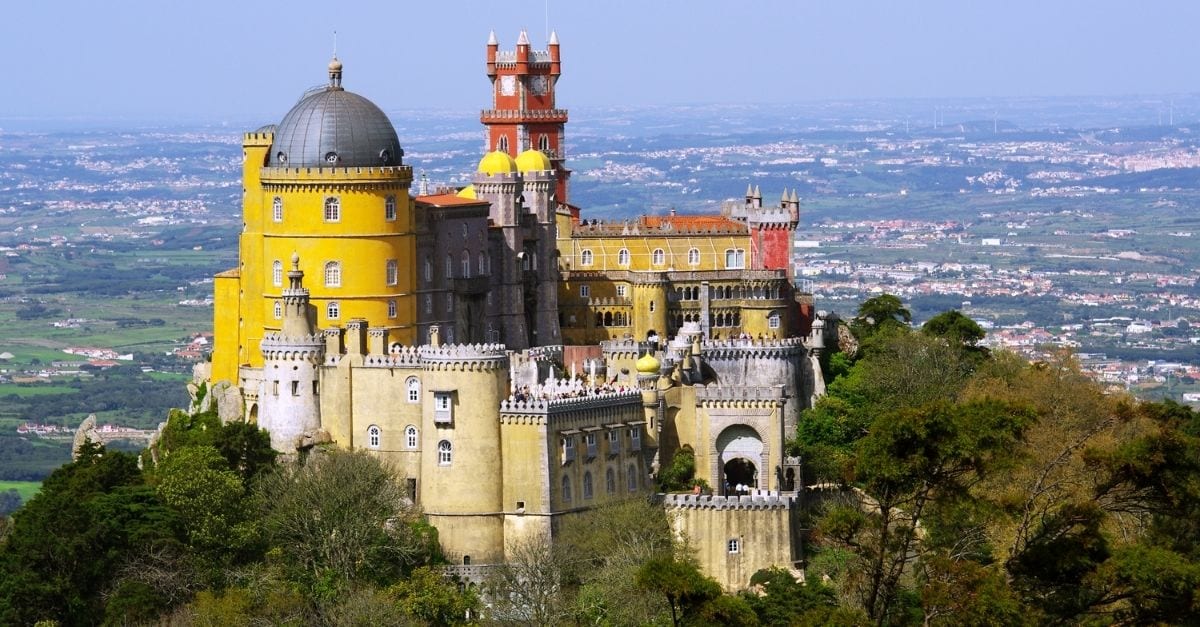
[539,85]
[508,85]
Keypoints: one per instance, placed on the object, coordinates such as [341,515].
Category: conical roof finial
[523,40]
[553,38]
[757,193]
[749,191]
[785,196]
[492,39]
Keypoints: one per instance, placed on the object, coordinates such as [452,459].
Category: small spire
[335,73]
[784,199]
[757,193]
[492,39]
[523,40]
[795,196]
[553,38]
[749,191]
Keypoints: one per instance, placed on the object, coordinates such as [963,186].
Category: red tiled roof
[448,200]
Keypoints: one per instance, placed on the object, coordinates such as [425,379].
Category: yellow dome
[647,364]
[497,162]
[467,192]
[533,161]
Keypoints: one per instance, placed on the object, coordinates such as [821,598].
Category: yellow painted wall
[226,288]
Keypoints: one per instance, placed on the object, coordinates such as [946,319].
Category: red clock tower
[523,114]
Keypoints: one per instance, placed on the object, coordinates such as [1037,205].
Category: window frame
[445,453]
[412,437]
[333,310]
[391,272]
[374,437]
[333,274]
[389,208]
[332,209]
[586,258]
[412,389]
[623,257]
[658,257]
[693,256]
[277,209]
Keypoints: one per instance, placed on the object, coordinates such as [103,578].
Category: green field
[33,389]
[25,488]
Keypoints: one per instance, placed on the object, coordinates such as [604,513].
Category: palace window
[391,272]
[651,306]
[373,436]
[413,386]
[278,309]
[333,274]
[585,291]
[502,143]
[449,266]
[658,257]
[735,545]
[773,320]
[587,485]
[428,270]
[631,478]
[389,208]
[693,256]
[566,489]
[585,257]
[483,268]
[614,442]
[277,209]
[333,310]
[623,257]
[466,264]
[333,209]
[544,143]
[568,448]
[610,481]
[277,273]
[635,439]
[735,258]
[590,440]
[410,437]
[391,309]
[442,408]
[428,303]
[445,453]
[622,291]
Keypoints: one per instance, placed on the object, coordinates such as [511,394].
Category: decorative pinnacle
[523,40]
[553,38]
[295,261]
[757,193]
[785,196]
[492,39]
[749,191]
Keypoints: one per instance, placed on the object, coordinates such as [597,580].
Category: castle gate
[740,459]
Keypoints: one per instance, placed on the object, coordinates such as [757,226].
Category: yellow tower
[329,184]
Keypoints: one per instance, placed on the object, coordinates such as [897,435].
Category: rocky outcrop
[85,433]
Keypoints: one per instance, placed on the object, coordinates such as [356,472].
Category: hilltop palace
[514,361]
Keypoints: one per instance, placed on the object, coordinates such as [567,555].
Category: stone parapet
[750,348]
[716,395]
[705,501]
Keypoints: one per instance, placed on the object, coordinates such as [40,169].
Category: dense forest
[948,485]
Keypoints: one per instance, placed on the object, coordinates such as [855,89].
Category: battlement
[715,395]
[678,227]
[705,501]
[626,347]
[344,175]
[489,116]
[464,356]
[610,301]
[310,348]
[748,348]
[258,138]
[535,56]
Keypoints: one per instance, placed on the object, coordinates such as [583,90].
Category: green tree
[680,473]
[428,596]
[880,312]
[955,327]
[783,599]
[681,583]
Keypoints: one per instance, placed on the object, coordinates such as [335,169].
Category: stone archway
[252,416]
[740,459]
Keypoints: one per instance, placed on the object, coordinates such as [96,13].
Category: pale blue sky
[249,60]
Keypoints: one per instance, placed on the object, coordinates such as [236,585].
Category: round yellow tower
[333,188]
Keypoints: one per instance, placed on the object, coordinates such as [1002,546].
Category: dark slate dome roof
[335,127]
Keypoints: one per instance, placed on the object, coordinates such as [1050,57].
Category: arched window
[608,321]
[631,478]
[587,485]
[566,489]
[445,453]
[735,258]
[277,273]
[658,257]
[773,320]
[502,143]
[277,209]
[389,208]
[483,269]
[544,143]
[410,437]
[391,309]
[413,386]
[391,272]
[610,481]
[333,209]
[333,310]
[428,270]
[693,256]
[278,309]
[333,274]
[585,257]
[449,266]
[373,436]
[623,257]
[428,303]
[466,264]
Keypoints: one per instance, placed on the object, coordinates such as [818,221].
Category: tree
[428,596]
[956,328]
[342,518]
[880,312]
[783,599]
[531,587]
[685,588]
[680,473]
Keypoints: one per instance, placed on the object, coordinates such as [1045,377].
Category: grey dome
[335,127]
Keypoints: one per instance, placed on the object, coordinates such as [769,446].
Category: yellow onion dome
[496,162]
[467,192]
[647,364]
[533,161]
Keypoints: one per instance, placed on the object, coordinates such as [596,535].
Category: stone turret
[289,405]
